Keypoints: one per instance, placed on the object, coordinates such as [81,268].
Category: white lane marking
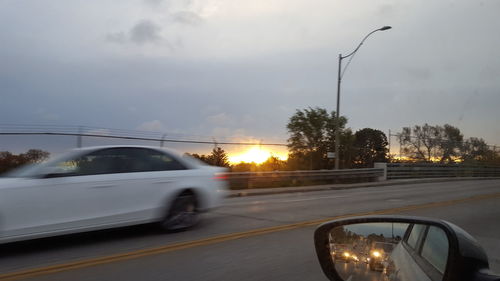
[282,201]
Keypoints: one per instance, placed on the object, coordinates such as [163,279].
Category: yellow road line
[28,273]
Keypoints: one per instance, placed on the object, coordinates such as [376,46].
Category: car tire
[182,214]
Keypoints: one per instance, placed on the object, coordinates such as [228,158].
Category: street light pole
[339,80]
[337,118]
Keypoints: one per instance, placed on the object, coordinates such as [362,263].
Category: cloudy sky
[239,69]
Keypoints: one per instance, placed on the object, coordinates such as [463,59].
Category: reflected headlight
[346,254]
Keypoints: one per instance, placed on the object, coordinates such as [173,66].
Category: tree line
[312,136]
[444,144]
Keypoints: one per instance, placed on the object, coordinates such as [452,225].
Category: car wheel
[182,214]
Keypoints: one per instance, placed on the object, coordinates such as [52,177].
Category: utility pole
[79,137]
[389,143]
[162,139]
[337,118]
[339,80]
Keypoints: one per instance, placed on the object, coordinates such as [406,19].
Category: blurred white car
[104,187]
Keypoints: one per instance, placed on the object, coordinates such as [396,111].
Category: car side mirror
[399,248]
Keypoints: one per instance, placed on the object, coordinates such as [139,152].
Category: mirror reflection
[388,251]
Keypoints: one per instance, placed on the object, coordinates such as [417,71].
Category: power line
[86,131]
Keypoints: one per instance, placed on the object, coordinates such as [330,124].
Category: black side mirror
[399,248]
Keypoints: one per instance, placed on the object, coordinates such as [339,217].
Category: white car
[104,187]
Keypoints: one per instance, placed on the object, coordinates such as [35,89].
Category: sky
[238,70]
[386,229]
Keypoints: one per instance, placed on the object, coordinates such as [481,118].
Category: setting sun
[256,155]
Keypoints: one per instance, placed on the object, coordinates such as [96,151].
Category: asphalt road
[250,238]
[358,272]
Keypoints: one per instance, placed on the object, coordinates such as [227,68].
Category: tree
[450,143]
[369,146]
[420,142]
[476,149]
[432,143]
[272,163]
[444,144]
[312,135]
[244,167]
[218,157]
[346,149]
[201,157]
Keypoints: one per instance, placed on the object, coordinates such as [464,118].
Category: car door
[422,255]
[143,181]
[62,200]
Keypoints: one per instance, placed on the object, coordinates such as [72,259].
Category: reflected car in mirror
[399,248]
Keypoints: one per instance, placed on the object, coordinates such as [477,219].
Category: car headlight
[376,254]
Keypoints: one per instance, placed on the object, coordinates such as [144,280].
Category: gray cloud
[386,10]
[246,68]
[186,17]
[117,37]
[45,115]
[145,31]
[152,126]
[153,2]
[419,73]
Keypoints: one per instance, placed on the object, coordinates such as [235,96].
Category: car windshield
[39,169]
[231,129]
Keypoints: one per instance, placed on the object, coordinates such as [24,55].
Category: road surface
[250,238]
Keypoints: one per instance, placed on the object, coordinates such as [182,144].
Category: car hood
[214,169]
[11,182]
[220,169]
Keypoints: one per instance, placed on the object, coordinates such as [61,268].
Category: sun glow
[256,155]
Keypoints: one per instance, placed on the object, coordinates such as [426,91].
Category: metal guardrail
[405,171]
[244,180]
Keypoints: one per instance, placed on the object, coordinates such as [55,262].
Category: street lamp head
[385,28]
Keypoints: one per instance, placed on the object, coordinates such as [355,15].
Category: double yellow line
[28,273]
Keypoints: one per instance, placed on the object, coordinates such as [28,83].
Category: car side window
[130,160]
[415,234]
[160,161]
[118,160]
[94,163]
[105,161]
[435,248]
